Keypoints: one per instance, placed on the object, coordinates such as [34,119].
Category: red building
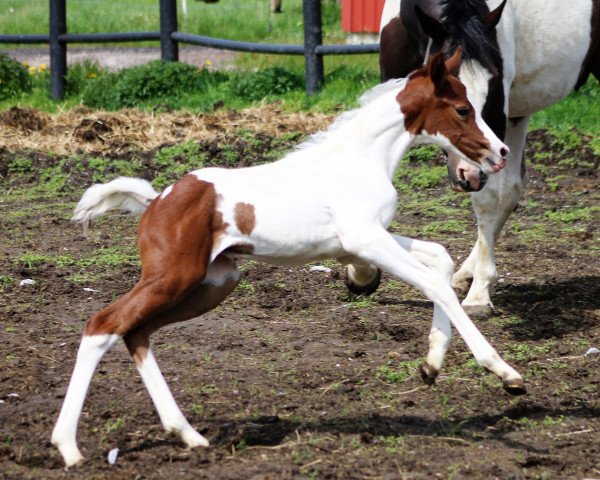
[361,16]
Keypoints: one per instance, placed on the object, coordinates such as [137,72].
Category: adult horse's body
[519,56]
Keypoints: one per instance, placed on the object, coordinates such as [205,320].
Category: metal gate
[170,38]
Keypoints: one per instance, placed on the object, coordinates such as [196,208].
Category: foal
[331,198]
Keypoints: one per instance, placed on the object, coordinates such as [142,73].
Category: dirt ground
[291,378]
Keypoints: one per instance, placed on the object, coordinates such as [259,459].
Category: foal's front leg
[377,247]
[434,256]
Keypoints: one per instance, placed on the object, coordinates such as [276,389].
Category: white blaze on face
[477,80]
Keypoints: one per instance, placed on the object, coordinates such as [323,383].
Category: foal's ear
[453,62]
[438,71]
[491,19]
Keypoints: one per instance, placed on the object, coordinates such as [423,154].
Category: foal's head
[436,109]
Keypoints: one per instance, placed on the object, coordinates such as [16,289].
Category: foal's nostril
[504,152]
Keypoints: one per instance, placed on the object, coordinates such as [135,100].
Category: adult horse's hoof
[461,284]
[363,289]
[514,387]
[478,312]
[428,373]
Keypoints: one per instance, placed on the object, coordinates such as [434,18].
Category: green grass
[571,215]
[346,77]
[400,373]
[578,111]
[250,20]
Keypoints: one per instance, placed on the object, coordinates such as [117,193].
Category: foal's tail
[131,194]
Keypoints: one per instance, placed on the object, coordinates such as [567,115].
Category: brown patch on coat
[218,227]
[175,240]
[398,52]
[245,219]
[203,298]
[432,101]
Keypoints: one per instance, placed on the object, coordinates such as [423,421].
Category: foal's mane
[364,100]
[463,21]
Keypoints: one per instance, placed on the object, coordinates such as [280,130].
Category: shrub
[79,74]
[99,92]
[14,78]
[145,83]
[267,82]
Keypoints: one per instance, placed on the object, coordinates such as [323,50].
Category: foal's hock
[331,198]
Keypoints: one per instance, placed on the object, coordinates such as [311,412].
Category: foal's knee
[442,263]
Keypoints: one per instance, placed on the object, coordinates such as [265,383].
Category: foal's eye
[463,112]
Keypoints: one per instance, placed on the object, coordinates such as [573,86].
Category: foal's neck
[375,133]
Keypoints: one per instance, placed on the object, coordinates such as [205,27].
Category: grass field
[236,19]
[347,76]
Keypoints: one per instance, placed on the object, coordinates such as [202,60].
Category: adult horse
[519,56]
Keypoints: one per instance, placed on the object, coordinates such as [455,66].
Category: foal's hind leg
[148,297]
[362,279]
[175,243]
[64,435]
[221,279]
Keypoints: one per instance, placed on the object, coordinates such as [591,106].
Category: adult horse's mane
[464,22]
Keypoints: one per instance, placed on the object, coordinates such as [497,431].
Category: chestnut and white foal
[331,198]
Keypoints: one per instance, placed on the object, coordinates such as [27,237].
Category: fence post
[313,37]
[58,49]
[169,48]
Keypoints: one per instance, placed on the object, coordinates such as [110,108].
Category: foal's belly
[552,38]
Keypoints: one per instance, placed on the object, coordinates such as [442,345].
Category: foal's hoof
[514,387]
[478,312]
[428,373]
[367,289]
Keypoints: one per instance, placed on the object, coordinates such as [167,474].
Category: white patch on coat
[391,9]
[167,191]
[552,38]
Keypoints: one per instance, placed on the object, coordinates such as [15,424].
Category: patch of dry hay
[85,131]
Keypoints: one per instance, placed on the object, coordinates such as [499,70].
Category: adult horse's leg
[434,256]
[377,247]
[492,206]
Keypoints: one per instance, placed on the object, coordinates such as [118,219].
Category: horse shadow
[550,309]
[271,431]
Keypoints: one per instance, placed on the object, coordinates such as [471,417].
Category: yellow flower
[208,63]
[26,63]
[92,75]
[43,67]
